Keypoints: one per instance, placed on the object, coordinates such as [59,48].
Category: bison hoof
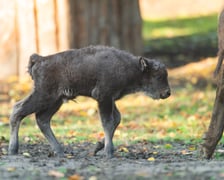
[99,146]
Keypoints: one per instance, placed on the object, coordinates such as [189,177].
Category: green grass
[170,28]
[181,40]
[182,117]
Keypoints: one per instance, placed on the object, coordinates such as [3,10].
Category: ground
[143,160]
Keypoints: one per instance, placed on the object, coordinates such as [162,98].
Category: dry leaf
[69,156]
[156,147]
[56,174]
[186,152]
[192,148]
[75,177]
[4,151]
[26,154]
[100,135]
[151,159]
[11,169]
[168,146]
[123,149]
[5,119]
[91,111]
[93,178]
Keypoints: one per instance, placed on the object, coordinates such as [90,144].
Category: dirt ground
[143,160]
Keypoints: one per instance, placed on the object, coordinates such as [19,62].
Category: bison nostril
[168,93]
[165,94]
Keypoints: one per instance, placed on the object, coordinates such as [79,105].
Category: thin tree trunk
[215,130]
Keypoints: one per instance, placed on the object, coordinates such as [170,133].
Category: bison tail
[33,59]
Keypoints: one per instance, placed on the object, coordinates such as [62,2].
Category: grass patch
[181,40]
[182,117]
[170,28]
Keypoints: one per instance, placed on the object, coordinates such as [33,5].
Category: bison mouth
[153,96]
[156,95]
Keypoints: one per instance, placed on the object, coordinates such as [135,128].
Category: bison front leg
[43,121]
[110,118]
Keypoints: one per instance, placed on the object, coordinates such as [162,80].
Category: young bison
[220,42]
[104,73]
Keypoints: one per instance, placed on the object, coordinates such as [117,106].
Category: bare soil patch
[143,160]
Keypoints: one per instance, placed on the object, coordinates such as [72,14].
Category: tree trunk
[115,23]
[215,130]
[216,126]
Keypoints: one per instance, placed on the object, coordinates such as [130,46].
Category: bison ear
[143,64]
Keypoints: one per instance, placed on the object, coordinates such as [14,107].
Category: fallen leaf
[123,149]
[75,177]
[72,133]
[156,147]
[151,159]
[169,174]
[26,154]
[192,148]
[69,156]
[27,139]
[91,111]
[56,174]
[4,151]
[93,178]
[11,169]
[220,150]
[168,146]
[5,120]
[100,135]
[186,152]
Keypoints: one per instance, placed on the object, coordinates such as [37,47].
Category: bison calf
[104,73]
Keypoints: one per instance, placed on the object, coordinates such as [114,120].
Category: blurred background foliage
[181,40]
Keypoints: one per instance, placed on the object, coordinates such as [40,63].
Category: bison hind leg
[21,109]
